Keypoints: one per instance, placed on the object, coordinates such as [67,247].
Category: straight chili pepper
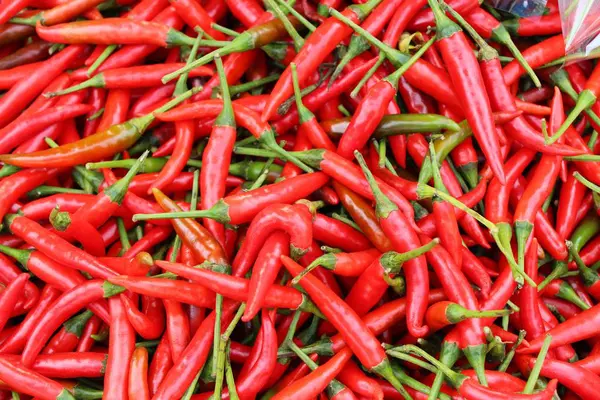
[315,50]
[131,78]
[442,314]
[356,334]
[242,207]
[467,79]
[539,187]
[94,147]
[335,233]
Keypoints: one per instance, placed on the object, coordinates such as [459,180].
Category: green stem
[298,16]
[535,371]
[590,185]
[510,355]
[100,60]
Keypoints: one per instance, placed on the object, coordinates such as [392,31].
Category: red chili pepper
[15,342]
[315,382]
[228,286]
[65,306]
[36,51]
[149,323]
[337,234]
[265,271]
[27,89]
[417,277]
[195,14]
[9,298]
[183,372]
[295,220]
[159,366]
[355,332]
[316,48]
[242,207]
[571,376]
[467,79]
[87,341]
[442,314]
[138,375]
[120,350]
[217,157]
[68,337]
[539,187]
[31,382]
[182,291]
[548,238]
[131,78]
[201,242]
[109,31]
[20,183]
[177,328]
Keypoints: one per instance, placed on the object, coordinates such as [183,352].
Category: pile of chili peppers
[296,199]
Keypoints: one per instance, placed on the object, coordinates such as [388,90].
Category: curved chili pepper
[417,277]
[65,306]
[54,273]
[31,382]
[67,338]
[20,183]
[363,214]
[148,323]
